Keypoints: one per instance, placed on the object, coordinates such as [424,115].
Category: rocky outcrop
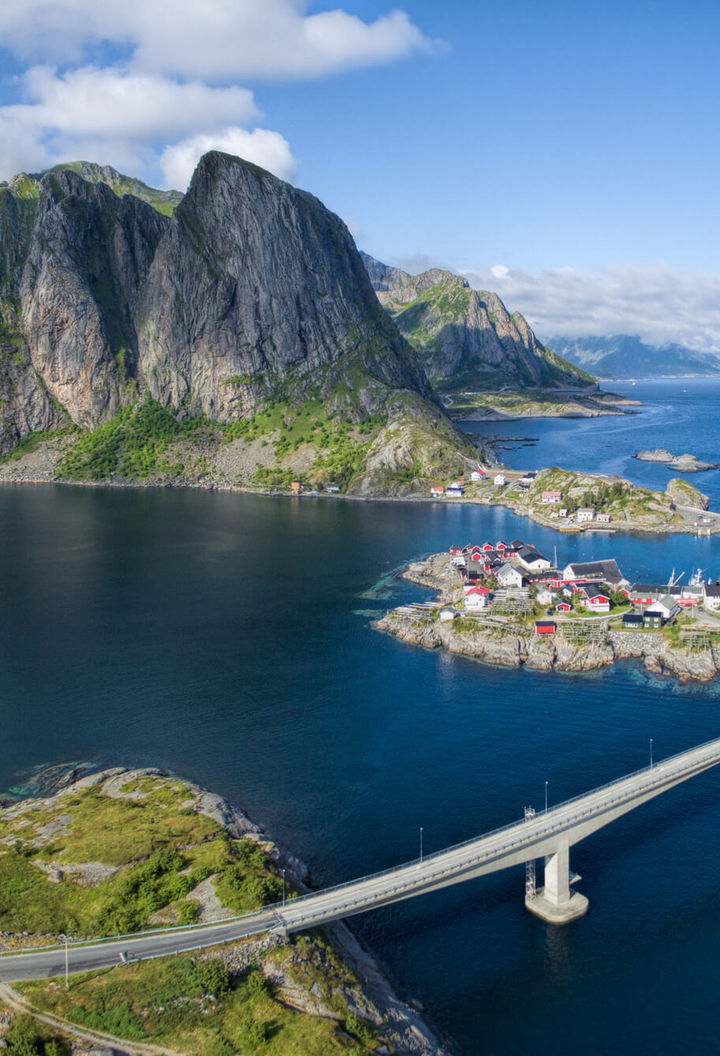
[492,644]
[249,289]
[466,337]
[681,463]
[684,494]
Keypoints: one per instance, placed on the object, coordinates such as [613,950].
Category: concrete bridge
[548,835]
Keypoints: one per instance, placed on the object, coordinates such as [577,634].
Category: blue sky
[563,154]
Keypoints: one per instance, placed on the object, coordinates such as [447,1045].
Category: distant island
[680,463]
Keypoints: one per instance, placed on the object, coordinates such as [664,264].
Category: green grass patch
[131,446]
[33,441]
[196,1007]
[161,849]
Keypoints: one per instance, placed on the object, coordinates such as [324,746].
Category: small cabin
[437,491]
[295,487]
[632,621]
[476,598]
[545,627]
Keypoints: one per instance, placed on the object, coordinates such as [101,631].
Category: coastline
[629,527]
[494,641]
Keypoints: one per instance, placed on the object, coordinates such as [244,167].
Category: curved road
[514,844]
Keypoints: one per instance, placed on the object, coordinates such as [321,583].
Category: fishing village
[507,603]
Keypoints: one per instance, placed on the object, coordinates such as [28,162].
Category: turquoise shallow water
[227,638]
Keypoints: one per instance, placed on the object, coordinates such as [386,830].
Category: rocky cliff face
[249,289]
[465,337]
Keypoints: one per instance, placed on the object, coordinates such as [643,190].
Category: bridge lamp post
[651,752]
[283,876]
[546,786]
[421,844]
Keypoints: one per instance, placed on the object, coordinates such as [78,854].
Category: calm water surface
[227,638]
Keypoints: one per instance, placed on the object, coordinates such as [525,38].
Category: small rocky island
[565,620]
[680,463]
[122,850]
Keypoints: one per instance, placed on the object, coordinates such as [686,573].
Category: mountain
[466,338]
[626,356]
[249,296]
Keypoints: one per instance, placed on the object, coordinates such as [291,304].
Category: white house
[476,598]
[436,491]
[499,479]
[477,475]
[666,605]
[552,496]
[711,598]
[585,513]
[509,576]
[598,603]
[447,615]
[532,559]
[544,596]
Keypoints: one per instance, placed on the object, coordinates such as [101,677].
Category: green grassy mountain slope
[466,339]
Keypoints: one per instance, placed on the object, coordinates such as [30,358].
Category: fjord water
[226,637]
[679,414]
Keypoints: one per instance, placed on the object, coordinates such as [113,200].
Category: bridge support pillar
[554,902]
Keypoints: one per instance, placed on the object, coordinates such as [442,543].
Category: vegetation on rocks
[131,446]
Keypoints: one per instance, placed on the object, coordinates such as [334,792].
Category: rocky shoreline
[375,1000]
[511,645]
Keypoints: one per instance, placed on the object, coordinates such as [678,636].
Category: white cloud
[216,39]
[20,152]
[111,103]
[173,90]
[261,147]
[658,302]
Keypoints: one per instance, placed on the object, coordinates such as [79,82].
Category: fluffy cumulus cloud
[179,82]
[659,303]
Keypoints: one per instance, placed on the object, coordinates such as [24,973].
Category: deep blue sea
[226,637]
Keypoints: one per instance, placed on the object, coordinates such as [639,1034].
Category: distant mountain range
[626,356]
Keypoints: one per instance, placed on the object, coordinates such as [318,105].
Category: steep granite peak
[255,281]
[250,292]
[467,338]
[88,259]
